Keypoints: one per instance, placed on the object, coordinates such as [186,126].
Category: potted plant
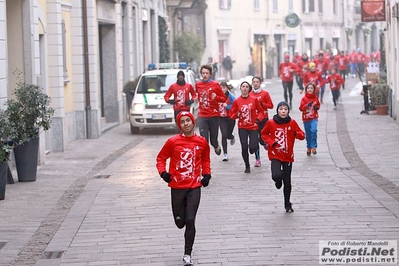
[379,97]
[29,112]
[7,133]
[129,89]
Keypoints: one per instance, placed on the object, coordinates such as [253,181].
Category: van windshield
[155,83]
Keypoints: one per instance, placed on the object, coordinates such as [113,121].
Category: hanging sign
[292,20]
[373,11]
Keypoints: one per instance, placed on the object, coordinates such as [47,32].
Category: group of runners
[188,154]
[305,70]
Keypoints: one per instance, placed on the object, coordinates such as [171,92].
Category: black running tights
[252,145]
[287,86]
[185,203]
[282,171]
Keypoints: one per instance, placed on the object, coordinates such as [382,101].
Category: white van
[149,109]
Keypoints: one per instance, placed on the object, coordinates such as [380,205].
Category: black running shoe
[218,150]
[278,184]
[288,208]
[247,170]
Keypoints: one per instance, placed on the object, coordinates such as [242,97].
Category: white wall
[3,54]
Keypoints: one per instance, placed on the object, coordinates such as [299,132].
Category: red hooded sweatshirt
[313,77]
[341,61]
[335,81]
[309,112]
[265,101]
[287,70]
[187,156]
[180,93]
[247,110]
[284,135]
[209,107]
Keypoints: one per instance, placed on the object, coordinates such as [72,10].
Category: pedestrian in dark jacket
[227,63]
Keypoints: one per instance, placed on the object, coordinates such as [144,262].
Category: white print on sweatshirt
[281,139]
[246,113]
[286,71]
[187,162]
[204,99]
[180,98]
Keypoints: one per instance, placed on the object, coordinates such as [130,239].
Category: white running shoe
[225,157]
[187,260]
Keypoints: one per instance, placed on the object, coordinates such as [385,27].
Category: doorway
[108,76]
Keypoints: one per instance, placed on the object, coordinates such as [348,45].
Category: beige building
[257,33]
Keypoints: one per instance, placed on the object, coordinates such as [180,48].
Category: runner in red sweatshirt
[286,70]
[181,92]
[189,159]
[225,123]
[335,81]
[280,134]
[303,67]
[266,102]
[314,77]
[309,107]
[342,62]
[249,113]
[322,66]
[209,95]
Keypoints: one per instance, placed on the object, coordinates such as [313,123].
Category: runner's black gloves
[171,101]
[315,107]
[188,102]
[166,177]
[205,180]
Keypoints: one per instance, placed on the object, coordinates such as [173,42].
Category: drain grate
[101,176]
[2,244]
[52,254]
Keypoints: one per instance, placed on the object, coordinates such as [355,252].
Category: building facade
[391,34]
[81,52]
[257,34]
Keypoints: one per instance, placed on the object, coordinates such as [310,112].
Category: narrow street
[101,202]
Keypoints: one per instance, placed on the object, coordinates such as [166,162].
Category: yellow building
[81,52]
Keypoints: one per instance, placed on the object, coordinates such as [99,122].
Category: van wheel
[134,130]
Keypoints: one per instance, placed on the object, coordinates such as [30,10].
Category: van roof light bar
[178,65]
